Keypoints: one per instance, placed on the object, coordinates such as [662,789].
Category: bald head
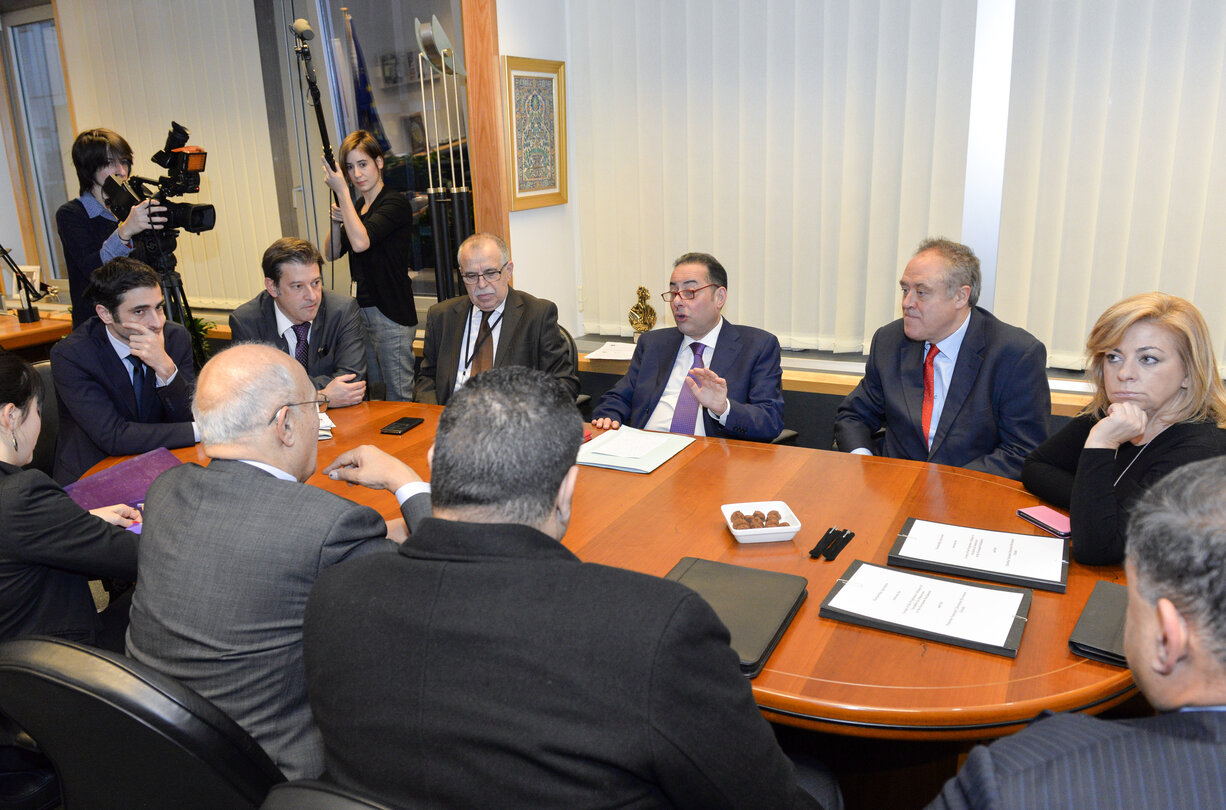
[241,388]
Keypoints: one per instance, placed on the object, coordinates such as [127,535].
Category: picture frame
[534,113]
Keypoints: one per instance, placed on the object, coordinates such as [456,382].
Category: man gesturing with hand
[123,379]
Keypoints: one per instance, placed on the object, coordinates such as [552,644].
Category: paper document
[1019,555]
[325,426]
[613,350]
[632,450]
[929,604]
[629,443]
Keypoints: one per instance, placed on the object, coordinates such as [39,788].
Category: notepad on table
[1033,561]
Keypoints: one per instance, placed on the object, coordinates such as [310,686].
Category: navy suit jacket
[1176,759]
[747,358]
[996,408]
[97,404]
[336,345]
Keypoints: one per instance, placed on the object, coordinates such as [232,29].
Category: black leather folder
[756,606]
[1099,634]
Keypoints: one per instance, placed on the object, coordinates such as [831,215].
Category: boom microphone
[302,30]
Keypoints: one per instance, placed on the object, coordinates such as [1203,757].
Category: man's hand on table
[371,467]
[605,423]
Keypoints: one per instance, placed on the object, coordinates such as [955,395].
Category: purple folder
[126,482]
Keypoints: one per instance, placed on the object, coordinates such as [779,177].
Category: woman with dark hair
[1158,404]
[49,546]
[90,233]
[375,231]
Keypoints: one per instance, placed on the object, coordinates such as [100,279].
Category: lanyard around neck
[470,354]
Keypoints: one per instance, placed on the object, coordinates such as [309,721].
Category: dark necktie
[929,390]
[685,415]
[138,383]
[300,348]
[483,359]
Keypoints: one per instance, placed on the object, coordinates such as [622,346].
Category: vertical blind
[1115,173]
[808,145]
[135,65]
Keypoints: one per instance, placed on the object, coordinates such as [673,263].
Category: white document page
[613,350]
[984,615]
[1022,555]
[628,443]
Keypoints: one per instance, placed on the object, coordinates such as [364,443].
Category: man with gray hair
[484,665]
[494,325]
[1175,641]
[229,551]
[947,381]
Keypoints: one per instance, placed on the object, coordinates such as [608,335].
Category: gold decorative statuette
[642,316]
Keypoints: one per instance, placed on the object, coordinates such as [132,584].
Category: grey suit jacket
[337,343]
[1174,760]
[227,556]
[529,337]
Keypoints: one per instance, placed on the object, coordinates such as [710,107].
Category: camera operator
[91,235]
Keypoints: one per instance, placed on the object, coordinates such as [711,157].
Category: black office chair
[121,735]
[44,449]
[308,794]
[573,354]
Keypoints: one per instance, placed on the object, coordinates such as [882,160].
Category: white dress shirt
[662,417]
[469,347]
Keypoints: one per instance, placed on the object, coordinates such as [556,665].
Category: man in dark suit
[123,378]
[332,346]
[949,382]
[706,366]
[1175,641]
[229,551]
[493,326]
[486,666]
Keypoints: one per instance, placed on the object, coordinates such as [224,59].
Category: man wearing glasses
[493,326]
[706,377]
[228,552]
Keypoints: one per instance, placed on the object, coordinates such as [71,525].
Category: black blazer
[98,406]
[484,665]
[49,550]
[337,343]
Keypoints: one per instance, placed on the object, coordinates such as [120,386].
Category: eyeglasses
[686,294]
[490,276]
[321,406]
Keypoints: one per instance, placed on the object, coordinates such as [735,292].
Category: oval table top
[824,674]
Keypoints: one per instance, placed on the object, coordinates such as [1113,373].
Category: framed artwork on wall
[535,119]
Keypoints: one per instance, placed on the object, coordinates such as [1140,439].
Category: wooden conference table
[824,674]
[17,335]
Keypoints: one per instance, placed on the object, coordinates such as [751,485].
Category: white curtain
[808,145]
[1115,175]
[133,66]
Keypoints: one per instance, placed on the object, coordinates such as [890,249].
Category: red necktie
[929,390]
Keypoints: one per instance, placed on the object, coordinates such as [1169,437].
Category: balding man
[493,326]
[229,551]
[1175,641]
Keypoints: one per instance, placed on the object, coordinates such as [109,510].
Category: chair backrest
[44,449]
[572,354]
[122,736]
[308,794]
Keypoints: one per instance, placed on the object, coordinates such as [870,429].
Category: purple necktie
[685,415]
[138,382]
[300,348]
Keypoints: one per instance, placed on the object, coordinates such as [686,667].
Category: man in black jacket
[484,665]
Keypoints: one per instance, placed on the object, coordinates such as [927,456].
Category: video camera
[183,164]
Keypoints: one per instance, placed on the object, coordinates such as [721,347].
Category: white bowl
[772,534]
